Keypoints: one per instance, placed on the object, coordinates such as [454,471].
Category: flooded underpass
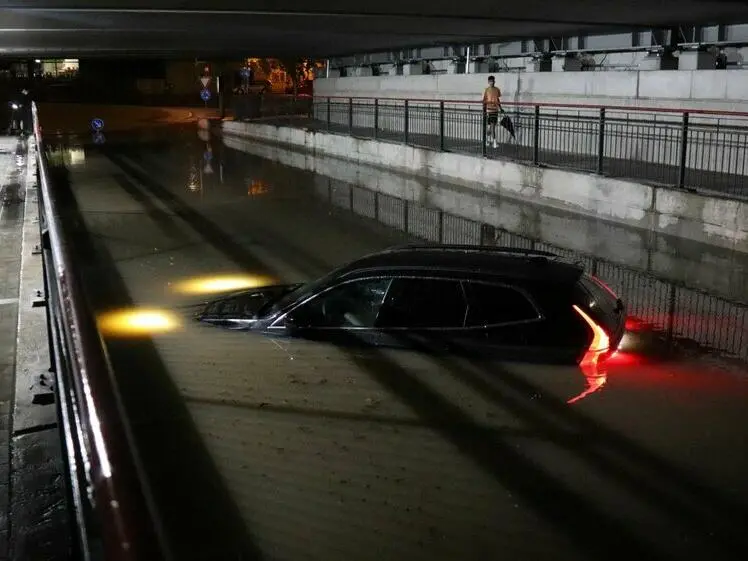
[260,448]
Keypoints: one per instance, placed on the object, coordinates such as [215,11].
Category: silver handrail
[112,510]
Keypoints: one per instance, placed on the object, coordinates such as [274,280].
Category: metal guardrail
[677,312]
[108,502]
[696,150]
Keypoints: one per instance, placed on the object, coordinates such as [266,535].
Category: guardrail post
[672,301]
[484,137]
[376,118]
[441,126]
[601,142]
[350,115]
[328,113]
[405,122]
[536,137]
[683,151]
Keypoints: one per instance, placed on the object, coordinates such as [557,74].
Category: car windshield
[306,289]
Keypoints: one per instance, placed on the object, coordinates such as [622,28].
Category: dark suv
[504,302]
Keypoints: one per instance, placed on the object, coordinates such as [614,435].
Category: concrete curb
[37,518]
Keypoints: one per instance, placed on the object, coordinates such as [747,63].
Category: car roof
[480,261]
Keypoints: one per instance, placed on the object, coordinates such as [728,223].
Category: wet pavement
[258,448]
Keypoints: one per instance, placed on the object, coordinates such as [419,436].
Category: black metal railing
[676,311]
[107,497]
[694,150]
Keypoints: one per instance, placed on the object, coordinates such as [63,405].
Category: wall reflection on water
[673,309]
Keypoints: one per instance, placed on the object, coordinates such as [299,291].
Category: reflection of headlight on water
[136,322]
[221,283]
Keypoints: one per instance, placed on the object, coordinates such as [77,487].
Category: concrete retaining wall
[717,145]
[718,222]
[673,89]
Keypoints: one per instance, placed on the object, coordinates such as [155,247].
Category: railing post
[441,126]
[672,302]
[683,151]
[536,137]
[484,138]
[376,118]
[350,115]
[328,113]
[405,122]
[601,142]
[405,216]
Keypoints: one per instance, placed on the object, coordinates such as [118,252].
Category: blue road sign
[246,72]
[205,94]
[98,138]
[97,124]
[208,156]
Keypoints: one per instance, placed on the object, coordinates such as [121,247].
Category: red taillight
[600,340]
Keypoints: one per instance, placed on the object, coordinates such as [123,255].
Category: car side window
[351,304]
[423,303]
[491,304]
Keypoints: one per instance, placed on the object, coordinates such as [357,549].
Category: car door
[345,313]
[422,312]
[501,319]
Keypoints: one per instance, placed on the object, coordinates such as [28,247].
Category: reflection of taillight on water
[600,344]
[599,348]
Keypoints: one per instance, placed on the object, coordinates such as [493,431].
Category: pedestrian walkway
[11,218]
[707,182]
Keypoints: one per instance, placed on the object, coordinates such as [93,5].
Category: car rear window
[491,304]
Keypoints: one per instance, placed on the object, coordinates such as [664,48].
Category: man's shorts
[492,117]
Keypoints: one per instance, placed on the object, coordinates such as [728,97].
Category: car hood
[243,305]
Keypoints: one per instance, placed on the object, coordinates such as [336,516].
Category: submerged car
[502,302]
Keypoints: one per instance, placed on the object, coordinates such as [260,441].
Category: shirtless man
[492,103]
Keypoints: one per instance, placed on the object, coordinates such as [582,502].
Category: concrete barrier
[716,90]
[714,221]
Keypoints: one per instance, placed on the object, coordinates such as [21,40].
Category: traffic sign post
[98,138]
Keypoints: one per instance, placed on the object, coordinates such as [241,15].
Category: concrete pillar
[539,65]
[414,69]
[455,67]
[696,60]
[478,67]
[566,64]
[658,61]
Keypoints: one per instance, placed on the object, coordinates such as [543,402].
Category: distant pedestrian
[492,106]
